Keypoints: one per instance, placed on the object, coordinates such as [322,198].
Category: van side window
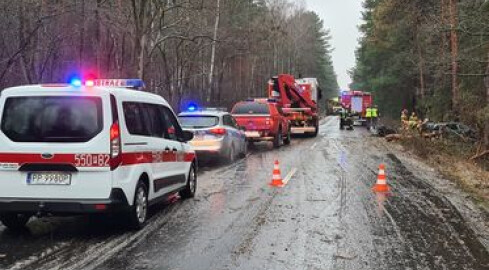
[153,120]
[173,129]
[133,115]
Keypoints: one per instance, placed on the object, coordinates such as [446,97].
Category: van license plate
[48,178]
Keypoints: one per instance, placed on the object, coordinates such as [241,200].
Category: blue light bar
[75,82]
[192,107]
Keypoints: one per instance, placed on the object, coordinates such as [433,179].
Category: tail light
[218,131]
[270,122]
[115,146]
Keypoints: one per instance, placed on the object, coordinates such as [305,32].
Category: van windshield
[52,119]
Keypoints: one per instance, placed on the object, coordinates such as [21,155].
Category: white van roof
[66,89]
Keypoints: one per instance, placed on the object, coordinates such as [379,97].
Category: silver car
[216,134]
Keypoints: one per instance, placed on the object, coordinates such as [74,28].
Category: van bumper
[117,202]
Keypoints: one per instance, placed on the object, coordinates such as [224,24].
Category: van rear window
[251,108]
[52,119]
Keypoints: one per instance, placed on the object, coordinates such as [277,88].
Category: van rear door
[55,144]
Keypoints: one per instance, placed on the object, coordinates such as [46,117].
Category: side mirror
[187,136]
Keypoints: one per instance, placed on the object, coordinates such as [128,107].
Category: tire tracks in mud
[434,227]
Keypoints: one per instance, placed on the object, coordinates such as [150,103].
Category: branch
[480,155]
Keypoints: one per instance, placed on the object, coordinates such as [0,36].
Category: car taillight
[115,146]
[218,131]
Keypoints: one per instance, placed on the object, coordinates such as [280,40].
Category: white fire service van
[89,148]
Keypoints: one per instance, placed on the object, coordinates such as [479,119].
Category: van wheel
[277,140]
[139,211]
[191,187]
[14,221]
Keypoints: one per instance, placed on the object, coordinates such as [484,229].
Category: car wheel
[191,187]
[277,140]
[231,155]
[244,152]
[288,138]
[139,211]
[14,221]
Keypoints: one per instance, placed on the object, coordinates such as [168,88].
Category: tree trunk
[486,124]
[420,66]
[140,14]
[213,50]
[454,53]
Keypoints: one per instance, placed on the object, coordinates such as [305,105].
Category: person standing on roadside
[404,119]
[375,116]
[368,115]
[413,120]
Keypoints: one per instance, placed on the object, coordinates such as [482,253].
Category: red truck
[298,101]
[357,102]
[263,121]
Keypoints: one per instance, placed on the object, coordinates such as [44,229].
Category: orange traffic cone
[381,185]
[276,179]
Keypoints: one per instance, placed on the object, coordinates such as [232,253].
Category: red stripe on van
[91,160]
[36,158]
[189,157]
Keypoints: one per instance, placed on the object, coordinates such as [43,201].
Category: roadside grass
[451,157]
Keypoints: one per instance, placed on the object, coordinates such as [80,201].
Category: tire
[277,140]
[316,131]
[245,150]
[14,221]
[231,156]
[191,186]
[138,214]
[288,138]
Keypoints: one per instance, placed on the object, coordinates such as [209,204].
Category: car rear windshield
[251,108]
[52,119]
[198,121]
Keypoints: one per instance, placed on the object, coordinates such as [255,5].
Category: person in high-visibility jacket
[413,121]
[404,119]
[368,115]
[375,115]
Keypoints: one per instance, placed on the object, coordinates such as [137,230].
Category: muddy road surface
[326,217]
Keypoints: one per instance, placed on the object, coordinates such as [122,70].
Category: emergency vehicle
[357,103]
[298,102]
[90,147]
[262,120]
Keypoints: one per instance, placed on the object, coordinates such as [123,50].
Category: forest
[427,56]
[213,52]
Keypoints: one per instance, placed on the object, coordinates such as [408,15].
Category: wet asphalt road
[326,217]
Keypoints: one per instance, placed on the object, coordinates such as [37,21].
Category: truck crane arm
[289,93]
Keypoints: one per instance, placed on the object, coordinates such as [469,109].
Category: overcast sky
[342,17]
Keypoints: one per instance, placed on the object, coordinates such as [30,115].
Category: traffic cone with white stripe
[381,185]
[277,178]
